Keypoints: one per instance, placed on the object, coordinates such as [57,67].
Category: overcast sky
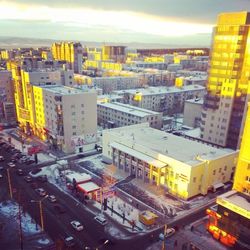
[150,21]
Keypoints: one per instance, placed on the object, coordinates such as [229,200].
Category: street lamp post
[41,211]
[9,182]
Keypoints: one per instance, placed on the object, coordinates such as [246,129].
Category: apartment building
[115,114]
[7,106]
[228,82]
[168,100]
[192,112]
[183,167]
[70,52]
[68,117]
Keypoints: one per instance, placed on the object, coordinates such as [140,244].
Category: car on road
[52,198]
[28,178]
[19,172]
[1,176]
[169,233]
[35,171]
[60,209]
[100,219]
[42,178]
[69,241]
[1,158]
[11,164]
[1,168]
[76,225]
[41,191]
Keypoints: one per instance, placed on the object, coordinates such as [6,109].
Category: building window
[194,179]
[73,113]
[74,126]
[214,172]
[225,168]
[74,133]
[219,170]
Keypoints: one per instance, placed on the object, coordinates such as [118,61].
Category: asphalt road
[57,225]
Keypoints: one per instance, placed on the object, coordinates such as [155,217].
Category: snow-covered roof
[147,142]
[239,202]
[160,90]
[88,186]
[129,109]
[79,177]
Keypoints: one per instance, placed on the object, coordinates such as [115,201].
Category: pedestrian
[175,243]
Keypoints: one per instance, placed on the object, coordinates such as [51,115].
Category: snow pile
[10,210]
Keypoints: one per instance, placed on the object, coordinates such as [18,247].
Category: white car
[76,225]
[11,164]
[169,233]
[100,218]
[52,198]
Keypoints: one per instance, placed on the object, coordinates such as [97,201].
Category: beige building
[115,114]
[183,167]
[168,100]
[70,118]
[192,112]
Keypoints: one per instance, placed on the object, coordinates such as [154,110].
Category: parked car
[69,241]
[52,198]
[19,172]
[100,219]
[42,178]
[1,158]
[41,191]
[35,171]
[11,164]
[169,233]
[76,225]
[60,209]
[28,178]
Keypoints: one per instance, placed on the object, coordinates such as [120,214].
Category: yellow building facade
[242,175]
[228,82]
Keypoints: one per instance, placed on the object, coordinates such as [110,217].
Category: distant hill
[17,42]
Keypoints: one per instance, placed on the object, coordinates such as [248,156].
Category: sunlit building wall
[70,52]
[242,175]
[114,53]
[228,83]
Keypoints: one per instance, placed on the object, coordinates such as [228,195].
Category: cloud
[114,20]
[204,11]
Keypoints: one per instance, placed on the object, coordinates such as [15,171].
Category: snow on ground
[10,210]
[131,213]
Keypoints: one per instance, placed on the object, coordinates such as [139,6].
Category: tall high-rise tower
[70,52]
[229,81]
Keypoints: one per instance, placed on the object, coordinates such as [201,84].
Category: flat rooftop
[176,147]
[63,90]
[129,109]
[236,201]
[160,90]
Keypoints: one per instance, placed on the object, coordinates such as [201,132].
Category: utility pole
[41,214]
[20,222]
[9,181]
